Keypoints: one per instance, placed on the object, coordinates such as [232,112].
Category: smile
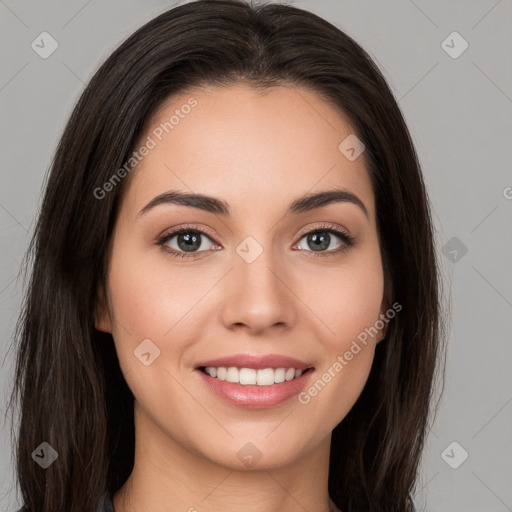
[252,376]
[251,388]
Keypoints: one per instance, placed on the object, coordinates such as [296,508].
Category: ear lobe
[384,330]
[101,313]
[383,337]
[99,327]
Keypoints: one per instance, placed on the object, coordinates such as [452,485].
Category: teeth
[290,374]
[266,377]
[247,376]
[250,376]
[279,374]
[233,375]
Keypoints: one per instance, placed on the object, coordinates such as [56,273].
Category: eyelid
[326,226]
[185,228]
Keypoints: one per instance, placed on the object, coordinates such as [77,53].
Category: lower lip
[256,397]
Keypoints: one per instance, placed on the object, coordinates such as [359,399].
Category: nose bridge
[257,295]
[255,268]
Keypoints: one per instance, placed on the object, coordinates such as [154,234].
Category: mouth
[254,381]
[254,376]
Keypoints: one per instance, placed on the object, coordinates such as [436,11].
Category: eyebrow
[213,205]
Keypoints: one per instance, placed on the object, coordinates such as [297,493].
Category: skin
[258,152]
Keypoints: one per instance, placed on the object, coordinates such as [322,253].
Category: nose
[259,296]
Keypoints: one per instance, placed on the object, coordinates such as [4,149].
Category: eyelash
[348,241]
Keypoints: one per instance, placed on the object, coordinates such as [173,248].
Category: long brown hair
[68,383]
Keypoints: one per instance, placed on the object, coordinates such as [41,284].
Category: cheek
[148,299]
[351,300]
[347,299]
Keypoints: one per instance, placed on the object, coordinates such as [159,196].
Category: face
[250,278]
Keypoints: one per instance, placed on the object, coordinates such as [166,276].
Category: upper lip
[256,362]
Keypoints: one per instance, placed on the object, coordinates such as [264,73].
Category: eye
[188,242]
[321,241]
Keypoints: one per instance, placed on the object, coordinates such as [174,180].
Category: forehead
[250,147]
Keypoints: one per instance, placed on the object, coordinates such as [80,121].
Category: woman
[234,300]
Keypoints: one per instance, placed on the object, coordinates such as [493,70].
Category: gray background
[459,113]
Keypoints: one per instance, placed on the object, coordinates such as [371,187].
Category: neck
[169,477]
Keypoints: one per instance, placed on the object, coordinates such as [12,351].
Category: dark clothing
[107,504]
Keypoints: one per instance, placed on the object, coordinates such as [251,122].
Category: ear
[385,305]
[101,312]
[383,334]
